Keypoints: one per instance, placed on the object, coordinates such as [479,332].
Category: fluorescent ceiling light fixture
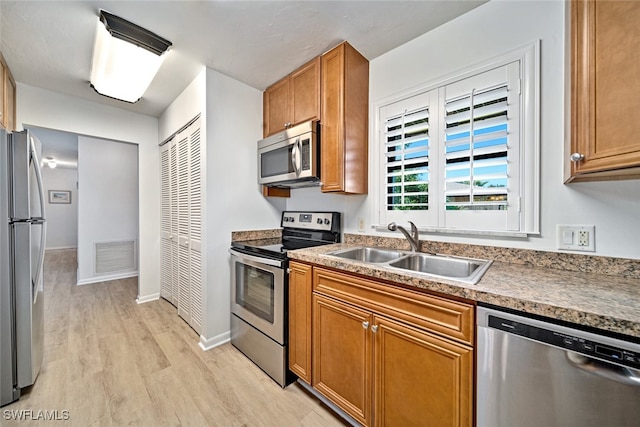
[126,58]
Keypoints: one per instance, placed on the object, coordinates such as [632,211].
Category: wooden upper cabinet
[344,121]
[10,103]
[305,92]
[605,91]
[2,93]
[276,107]
[293,100]
[7,97]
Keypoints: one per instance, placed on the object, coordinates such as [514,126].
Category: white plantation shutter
[451,157]
[407,161]
[480,151]
[476,150]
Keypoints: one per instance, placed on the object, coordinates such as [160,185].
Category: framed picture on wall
[59,196]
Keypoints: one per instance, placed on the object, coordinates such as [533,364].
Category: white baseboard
[209,343]
[61,247]
[147,298]
[107,278]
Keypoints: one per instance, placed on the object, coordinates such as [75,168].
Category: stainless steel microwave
[290,158]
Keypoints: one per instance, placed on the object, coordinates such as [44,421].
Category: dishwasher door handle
[606,370]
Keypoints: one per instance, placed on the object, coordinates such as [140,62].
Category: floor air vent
[114,257]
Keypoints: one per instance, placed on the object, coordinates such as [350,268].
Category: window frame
[529,148]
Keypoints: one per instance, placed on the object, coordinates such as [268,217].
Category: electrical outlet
[576,237]
[361,224]
[583,238]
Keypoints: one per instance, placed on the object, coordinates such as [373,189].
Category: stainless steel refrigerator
[22,244]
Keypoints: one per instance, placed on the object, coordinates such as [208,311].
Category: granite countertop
[595,299]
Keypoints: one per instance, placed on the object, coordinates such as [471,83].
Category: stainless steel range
[259,288]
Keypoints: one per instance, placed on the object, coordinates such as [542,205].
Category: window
[462,155]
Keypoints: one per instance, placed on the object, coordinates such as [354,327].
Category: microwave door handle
[295,157]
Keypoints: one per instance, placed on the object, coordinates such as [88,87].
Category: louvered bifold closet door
[166,280]
[173,162]
[195,226]
[184,286]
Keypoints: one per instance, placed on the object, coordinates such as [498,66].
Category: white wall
[231,115]
[48,109]
[107,200]
[485,32]
[234,198]
[62,219]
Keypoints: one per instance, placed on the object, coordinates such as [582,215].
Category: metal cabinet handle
[374,328]
[576,157]
[365,325]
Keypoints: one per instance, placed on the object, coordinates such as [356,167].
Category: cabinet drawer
[450,318]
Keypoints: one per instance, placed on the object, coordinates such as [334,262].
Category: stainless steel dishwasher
[539,374]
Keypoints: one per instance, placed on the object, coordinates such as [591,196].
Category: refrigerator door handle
[43,235]
[36,167]
[43,241]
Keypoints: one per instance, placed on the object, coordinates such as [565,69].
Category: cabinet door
[300,290]
[605,89]
[420,379]
[342,356]
[3,72]
[344,120]
[305,92]
[276,108]
[10,105]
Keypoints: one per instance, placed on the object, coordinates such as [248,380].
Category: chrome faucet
[413,238]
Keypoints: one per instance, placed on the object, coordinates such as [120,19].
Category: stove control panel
[323,221]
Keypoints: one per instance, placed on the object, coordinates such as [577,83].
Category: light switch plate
[576,237]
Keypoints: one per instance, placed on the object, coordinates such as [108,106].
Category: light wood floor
[109,362]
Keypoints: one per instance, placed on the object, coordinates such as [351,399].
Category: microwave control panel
[306,154]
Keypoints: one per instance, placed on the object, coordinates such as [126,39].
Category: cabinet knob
[288,271]
[365,325]
[576,157]
[374,328]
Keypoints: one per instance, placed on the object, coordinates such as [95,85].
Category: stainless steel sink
[366,254]
[468,270]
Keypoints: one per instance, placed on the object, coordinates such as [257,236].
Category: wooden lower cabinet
[299,348]
[342,356]
[381,369]
[420,379]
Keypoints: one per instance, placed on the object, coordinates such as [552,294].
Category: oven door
[257,293]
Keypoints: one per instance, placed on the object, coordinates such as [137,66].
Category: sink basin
[365,254]
[468,270]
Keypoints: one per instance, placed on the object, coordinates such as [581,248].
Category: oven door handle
[267,261]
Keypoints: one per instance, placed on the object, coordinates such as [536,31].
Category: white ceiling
[49,44]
